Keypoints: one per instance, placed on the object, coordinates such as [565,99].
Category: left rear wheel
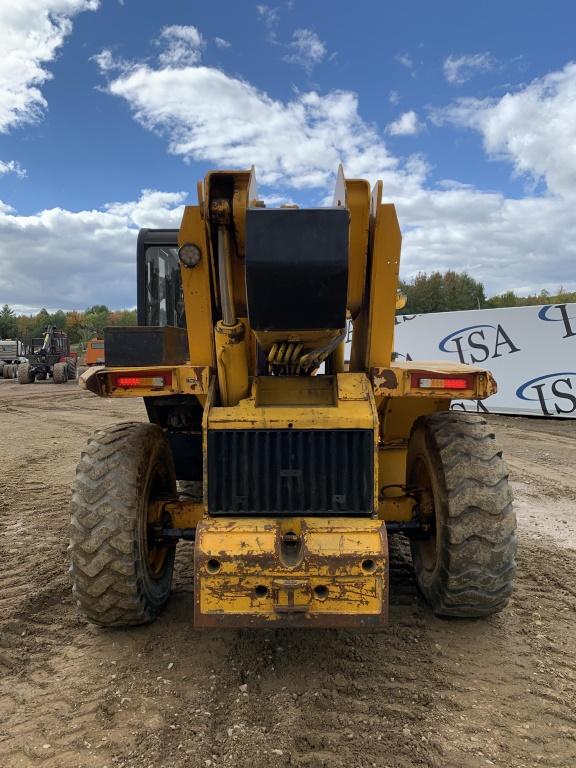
[25,374]
[121,575]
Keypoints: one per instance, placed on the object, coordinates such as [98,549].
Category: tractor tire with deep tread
[80,370]
[71,369]
[122,468]
[24,374]
[60,373]
[467,567]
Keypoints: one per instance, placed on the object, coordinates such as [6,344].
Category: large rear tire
[120,576]
[25,375]
[466,566]
[60,373]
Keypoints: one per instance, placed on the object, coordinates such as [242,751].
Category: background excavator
[305,462]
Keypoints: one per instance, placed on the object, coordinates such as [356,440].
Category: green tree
[8,323]
[96,318]
[507,299]
[58,319]
[123,317]
[442,292]
[73,326]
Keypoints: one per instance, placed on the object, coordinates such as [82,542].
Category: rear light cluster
[445,382]
[147,380]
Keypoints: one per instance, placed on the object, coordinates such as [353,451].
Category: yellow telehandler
[303,462]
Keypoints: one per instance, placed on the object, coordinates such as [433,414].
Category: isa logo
[554,392]
[477,343]
[558,313]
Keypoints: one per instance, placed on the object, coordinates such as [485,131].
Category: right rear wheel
[466,565]
[121,575]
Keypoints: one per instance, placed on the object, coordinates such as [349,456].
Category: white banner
[531,352]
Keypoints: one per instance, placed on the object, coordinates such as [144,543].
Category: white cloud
[208,116]
[108,62]
[534,128]
[12,166]
[406,125]
[525,245]
[459,69]
[307,50]
[185,46]
[74,259]
[32,33]
[394,97]
[270,18]
[407,63]
[221,43]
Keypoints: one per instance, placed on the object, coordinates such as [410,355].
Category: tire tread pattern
[476,568]
[104,552]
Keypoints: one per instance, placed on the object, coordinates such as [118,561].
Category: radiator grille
[289,471]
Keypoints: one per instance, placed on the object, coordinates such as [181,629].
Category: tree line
[80,326]
[434,292]
[451,291]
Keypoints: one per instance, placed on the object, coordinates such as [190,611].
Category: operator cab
[160,298]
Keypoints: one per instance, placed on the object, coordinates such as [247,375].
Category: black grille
[289,471]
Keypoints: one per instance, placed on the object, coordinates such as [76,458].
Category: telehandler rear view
[305,463]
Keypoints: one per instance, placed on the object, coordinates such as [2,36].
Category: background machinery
[47,357]
[11,355]
[304,464]
[93,355]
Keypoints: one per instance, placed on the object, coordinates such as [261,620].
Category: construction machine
[48,357]
[304,463]
[93,355]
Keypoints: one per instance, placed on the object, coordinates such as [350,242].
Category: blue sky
[111,111]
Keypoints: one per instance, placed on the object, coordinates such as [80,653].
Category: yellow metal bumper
[315,572]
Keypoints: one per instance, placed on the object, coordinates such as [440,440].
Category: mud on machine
[303,463]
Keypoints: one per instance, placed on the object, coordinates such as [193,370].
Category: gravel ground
[422,692]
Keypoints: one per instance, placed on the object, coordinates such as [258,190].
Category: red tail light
[422,381]
[128,381]
[144,380]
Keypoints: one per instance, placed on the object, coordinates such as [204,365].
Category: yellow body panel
[395,380]
[373,339]
[196,290]
[394,505]
[354,194]
[186,380]
[246,575]
[232,362]
[350,406]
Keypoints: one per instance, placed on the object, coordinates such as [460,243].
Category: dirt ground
[423,692]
